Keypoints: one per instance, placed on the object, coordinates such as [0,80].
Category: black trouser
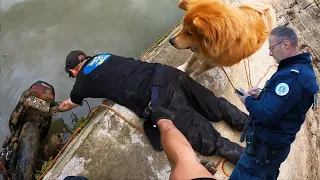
[194,106]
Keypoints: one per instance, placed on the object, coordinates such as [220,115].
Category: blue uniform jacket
[280,110]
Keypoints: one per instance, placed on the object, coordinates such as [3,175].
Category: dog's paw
[182,67]
[193,76]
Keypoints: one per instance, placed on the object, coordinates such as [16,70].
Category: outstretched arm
[183,160]
[67,105]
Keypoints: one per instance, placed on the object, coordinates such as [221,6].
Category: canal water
[37,35]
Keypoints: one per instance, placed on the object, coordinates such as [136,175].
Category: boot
[229,150]
[232,115]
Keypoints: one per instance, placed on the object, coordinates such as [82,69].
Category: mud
[51,149]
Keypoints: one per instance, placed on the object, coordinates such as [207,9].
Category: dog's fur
[220,34]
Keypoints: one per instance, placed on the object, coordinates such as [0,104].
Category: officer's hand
[244,97]
[57,104]
[255,92]
[55,108]
[158,113]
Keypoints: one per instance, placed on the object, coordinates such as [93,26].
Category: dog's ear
[202,25]
[183,4]
[199,24]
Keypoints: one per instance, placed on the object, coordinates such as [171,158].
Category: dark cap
[72,60]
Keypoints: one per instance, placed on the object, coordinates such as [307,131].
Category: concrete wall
[304,17]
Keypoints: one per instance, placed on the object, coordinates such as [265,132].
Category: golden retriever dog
[220,34]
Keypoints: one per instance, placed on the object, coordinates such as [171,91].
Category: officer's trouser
[193,106]
[248,168]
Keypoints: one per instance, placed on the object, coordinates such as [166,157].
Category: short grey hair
[285,33]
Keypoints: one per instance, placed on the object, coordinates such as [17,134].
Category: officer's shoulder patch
[95,62]
[282,89]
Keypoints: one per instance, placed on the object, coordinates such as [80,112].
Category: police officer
[276,113]
[140,86]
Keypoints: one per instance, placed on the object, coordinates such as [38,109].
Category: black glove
[158,113]
[153,135]
[150,128]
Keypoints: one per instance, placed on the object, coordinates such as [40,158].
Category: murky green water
[38,34]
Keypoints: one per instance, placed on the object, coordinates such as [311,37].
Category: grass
[161,38]
[81,121]
[45,165]
[158,41]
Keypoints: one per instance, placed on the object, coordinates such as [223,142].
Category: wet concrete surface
[36,36]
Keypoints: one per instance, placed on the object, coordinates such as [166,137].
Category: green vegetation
[45,165]
[161,38]
[81,121]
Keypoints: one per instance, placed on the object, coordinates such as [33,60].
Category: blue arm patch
[95,62]
[276,101]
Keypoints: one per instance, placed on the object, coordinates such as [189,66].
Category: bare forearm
[174,143]
[66,106]
[183,159]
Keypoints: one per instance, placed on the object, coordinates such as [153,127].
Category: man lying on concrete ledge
[140,86]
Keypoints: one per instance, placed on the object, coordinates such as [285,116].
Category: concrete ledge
[109,148]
